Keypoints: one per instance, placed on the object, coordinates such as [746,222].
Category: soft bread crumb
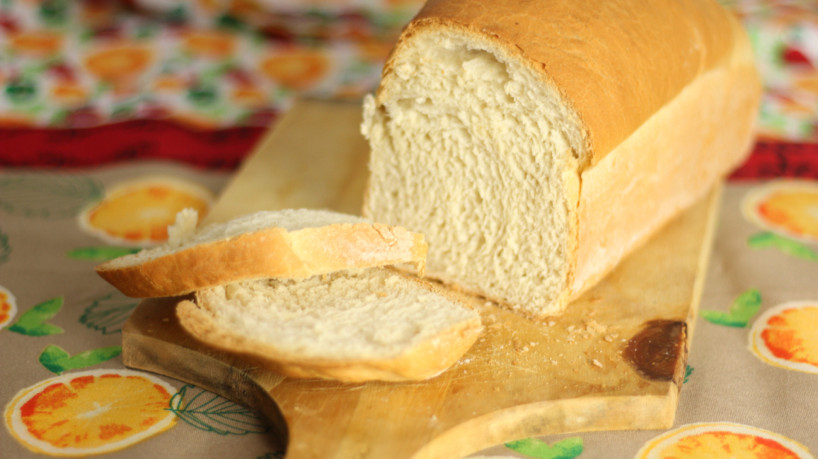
[365,313]
[352,326]
[183,228]
[502,226]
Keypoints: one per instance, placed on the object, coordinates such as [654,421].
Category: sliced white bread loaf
[351,326]
[292,243]
[537,143]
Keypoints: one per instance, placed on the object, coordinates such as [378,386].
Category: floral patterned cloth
[785,39]
[82,64]
[226,63]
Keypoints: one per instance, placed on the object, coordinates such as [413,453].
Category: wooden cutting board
[615,360]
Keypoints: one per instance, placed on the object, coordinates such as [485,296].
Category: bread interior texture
[356,315]
[472,149]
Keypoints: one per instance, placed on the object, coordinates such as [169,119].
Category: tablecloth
[751,382]
[61,323]
[196,81]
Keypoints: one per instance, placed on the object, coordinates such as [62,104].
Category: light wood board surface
[615,360]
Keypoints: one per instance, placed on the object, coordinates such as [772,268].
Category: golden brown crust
[269,253]
[668,164]
[614,81]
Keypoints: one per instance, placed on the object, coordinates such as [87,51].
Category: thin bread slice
[292,243]
[351,326]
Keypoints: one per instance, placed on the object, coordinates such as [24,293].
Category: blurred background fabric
[207,64]
[200,80]
[785,39]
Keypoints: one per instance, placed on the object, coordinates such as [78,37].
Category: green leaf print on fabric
[203,95]
[177,15]
[741,310]
[786,245]
[109,313]
[212,413]
[231,22]
[100,253]
[33,322]
[54,12]
[57,360]
[568,448]
[47,195]
[21,91]
[5,248]
[688,372]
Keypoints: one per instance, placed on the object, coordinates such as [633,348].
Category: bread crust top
[608,59]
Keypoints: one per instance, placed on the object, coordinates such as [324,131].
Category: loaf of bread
[350,326]
[537,143]
[291,243]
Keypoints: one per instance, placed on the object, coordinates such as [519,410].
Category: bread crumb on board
[521,347]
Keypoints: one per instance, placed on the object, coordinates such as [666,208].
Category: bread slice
[535,144]
[292,243]
[351,326]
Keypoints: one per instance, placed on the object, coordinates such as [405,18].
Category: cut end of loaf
[373,324]
[472,148]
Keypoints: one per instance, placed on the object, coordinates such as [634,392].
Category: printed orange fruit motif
[93,412]
[172,83]
[138,212]
[785,336]
[37,43]
[722,440]
[296,68]
[248,96]
[808,82]
[209,5]
[118,63]
[69,93]
[8,307]
[788,207]
[210,43]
